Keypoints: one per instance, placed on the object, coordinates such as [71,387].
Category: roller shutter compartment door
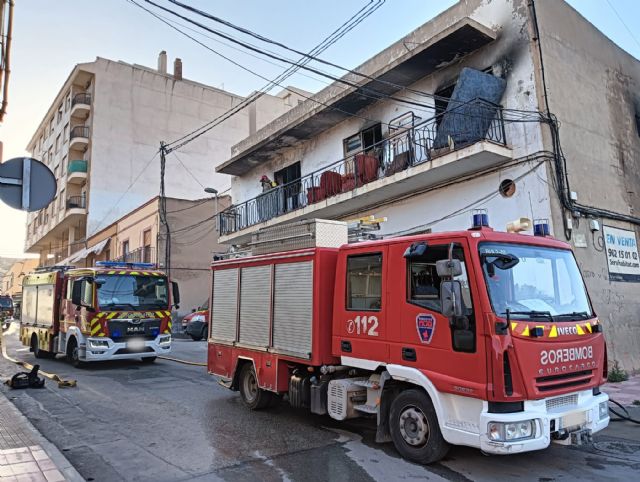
[255,299]
[293,308]
[225,305]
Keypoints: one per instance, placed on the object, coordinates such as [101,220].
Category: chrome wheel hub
[414,427]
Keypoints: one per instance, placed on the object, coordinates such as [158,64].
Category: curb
[61,462]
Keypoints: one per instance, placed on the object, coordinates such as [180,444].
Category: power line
[128,189]
[623,23]
[332,38]
[188,170]
[361,88]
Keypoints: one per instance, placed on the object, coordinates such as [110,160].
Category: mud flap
[383,434]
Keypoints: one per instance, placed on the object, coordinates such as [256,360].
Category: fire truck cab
[107,312]
[479,338]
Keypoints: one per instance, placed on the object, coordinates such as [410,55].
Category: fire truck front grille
[131,351]
[565,380]
[122,329]
[565,401]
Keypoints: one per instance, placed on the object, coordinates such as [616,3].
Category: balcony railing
[76,202]
[79,131]
[409,146]
[82,98]
[146,254]
[77,165]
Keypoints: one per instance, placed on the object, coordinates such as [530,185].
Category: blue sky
[51,37]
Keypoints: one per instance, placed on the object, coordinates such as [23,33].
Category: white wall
[509,55]
[133,110]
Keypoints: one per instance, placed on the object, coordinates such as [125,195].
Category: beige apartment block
[100,137]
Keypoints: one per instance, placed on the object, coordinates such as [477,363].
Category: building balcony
[146,254]
[79,138]
[77,171]
[460,142]
[81,105]
[76,202]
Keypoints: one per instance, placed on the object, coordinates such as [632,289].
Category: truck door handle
[409,354]
[345,346]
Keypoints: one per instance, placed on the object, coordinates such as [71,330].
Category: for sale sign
[622,254]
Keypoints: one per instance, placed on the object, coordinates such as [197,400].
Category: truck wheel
[414,428]
[35,347]
[73,354]
[252,395]
[148,359]
[196,337]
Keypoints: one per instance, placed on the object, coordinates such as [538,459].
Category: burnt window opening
[291,190]
[363,140]
[442,100]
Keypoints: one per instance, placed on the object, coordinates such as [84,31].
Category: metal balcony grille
[82,98]
[145,254]
[406,147]
[79,131]
[76,202]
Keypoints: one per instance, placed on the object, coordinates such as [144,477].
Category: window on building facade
[125,249]
[59,117]
[65,136]
[363,140]
[51,126]
[146,243]
[64,165]
[50,155]
[57,145]
[61,206]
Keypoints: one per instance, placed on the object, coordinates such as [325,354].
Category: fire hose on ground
[62,383]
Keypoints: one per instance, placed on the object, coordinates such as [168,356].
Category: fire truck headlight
[98,343]
[511,431]
[164,339]
[603,410]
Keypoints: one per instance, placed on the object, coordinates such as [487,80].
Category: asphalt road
[169,421]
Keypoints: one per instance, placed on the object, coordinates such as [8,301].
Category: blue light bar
[120,264]
[480,218]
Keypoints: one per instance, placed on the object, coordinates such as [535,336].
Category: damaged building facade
[520,108]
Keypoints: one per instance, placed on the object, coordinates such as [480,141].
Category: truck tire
[73,354]
[252,395]
[35,347]
[414,428]
[196,337]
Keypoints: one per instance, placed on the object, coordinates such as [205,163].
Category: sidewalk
[624,393]
[25,455]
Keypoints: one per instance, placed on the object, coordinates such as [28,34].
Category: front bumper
[123,350]
[551,417]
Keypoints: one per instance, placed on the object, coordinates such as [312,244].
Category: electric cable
[622,417]
[271,82]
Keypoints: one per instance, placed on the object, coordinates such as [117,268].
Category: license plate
[135,344]
[573,420]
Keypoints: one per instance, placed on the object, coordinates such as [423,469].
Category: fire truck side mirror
[448,268]
[451,298]
[175,291]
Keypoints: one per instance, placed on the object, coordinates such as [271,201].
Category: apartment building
[462,126]
[100,137]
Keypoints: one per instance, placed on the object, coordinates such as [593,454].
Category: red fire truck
[107,312]
[479,338]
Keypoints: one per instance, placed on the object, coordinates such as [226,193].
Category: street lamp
[211,190]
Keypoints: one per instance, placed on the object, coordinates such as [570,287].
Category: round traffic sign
[27,184]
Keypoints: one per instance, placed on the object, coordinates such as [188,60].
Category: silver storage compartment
[255,300]
[313,233]
[225,305]
[293,308]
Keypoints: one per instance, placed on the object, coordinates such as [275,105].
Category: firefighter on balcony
[267,203]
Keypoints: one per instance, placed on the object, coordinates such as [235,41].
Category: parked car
[197,324]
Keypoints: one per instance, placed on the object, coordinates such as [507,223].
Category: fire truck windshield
[132,292]
[534,282]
